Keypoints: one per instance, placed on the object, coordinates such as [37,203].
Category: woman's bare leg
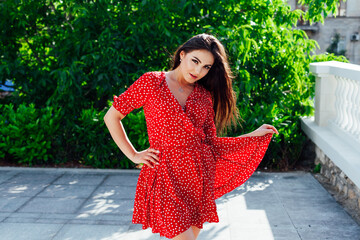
[196,231]
[187,235]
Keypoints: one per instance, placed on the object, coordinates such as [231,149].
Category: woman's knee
[196,231]
[187,235]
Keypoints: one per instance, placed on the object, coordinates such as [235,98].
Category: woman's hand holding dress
[263,130]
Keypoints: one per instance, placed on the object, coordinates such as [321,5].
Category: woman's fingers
[148,157]
[153,153]
[153,150]
[265,131]
[148,163]
[270,131]
[273,129]
[151,158]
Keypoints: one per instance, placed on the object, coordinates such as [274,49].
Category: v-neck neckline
[173,96]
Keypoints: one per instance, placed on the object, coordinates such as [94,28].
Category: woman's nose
[198,69]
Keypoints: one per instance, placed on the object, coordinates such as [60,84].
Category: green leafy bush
[92,143]
[135,126]
[27,133]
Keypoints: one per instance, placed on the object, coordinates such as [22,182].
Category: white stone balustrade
[337,98]
[336,127]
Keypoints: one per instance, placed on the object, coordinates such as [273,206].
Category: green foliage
[27,133]
[333,48]
[78,54]
[320,9]
[92,142]
[135,127]
[317,168]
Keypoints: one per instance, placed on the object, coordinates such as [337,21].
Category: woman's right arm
[113,122]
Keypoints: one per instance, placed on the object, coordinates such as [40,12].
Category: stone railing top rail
[346,70]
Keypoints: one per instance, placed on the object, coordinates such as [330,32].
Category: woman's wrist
[132,156]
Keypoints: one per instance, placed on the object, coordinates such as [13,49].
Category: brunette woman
[187,165]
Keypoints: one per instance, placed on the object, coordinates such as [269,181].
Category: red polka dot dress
[196,167]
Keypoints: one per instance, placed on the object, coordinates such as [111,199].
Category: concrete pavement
[71,204]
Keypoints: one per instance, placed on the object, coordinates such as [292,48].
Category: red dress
[196,167]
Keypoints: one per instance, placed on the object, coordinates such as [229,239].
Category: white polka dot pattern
[196,167]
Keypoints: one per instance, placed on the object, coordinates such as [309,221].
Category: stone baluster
[324,98]
[339,106]
[357,111]
[348,104]
[352,97]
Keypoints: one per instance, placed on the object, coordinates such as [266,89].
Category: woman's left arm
[261,131]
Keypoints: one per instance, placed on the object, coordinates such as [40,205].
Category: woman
[187,166]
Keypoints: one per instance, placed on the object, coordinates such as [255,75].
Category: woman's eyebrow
[197,59]
[200,61]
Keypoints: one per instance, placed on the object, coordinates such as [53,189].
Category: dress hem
[183,229]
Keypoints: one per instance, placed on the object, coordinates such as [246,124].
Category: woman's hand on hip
[263,130]
[148,157]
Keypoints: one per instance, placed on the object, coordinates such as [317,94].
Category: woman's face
[195,64]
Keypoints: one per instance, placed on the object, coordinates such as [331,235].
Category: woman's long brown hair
[218,81]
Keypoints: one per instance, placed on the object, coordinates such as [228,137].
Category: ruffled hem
[210,218]
[236,166]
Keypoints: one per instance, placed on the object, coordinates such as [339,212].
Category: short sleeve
[136,95]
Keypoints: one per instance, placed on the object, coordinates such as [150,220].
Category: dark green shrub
[27,133]
[92,143]
[135,126]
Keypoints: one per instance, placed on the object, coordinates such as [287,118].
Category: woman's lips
[194,77]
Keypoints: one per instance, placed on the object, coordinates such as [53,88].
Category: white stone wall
[292,4]
[353,8]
